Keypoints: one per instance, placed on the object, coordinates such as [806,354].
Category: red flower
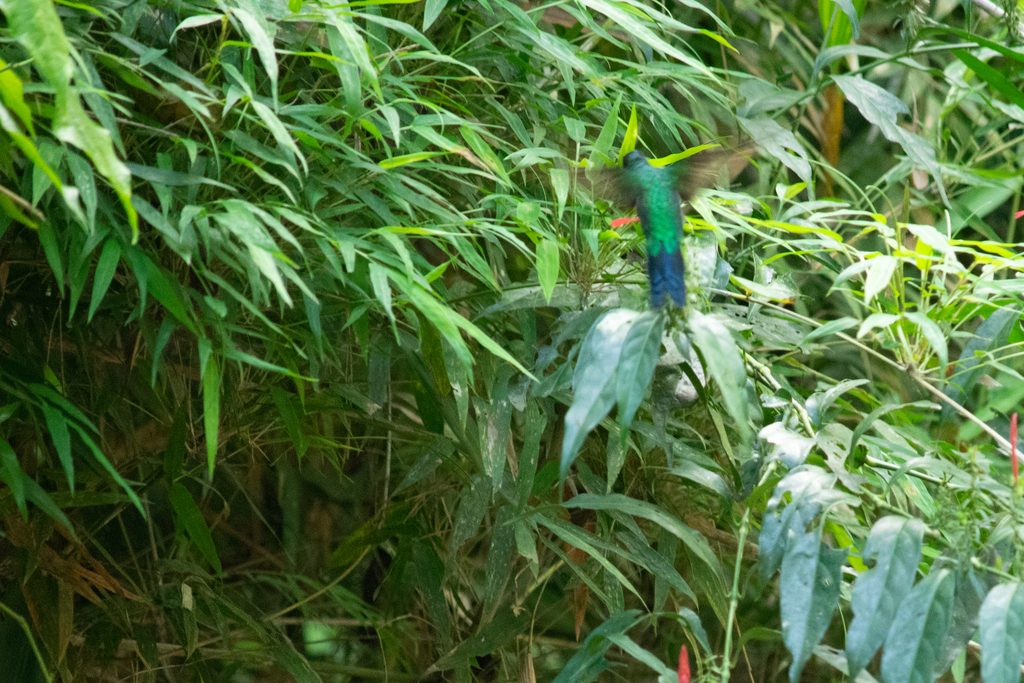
[684,665]
[619,222]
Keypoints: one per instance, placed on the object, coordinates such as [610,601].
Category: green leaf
[934,336]
[188,515]
[589,660]
[779,142]
[395,162]
[547,267]
[105,270]
[263,42]
[290,417]
[829,328]
[57,425]
[35,494]
[593,381]
[723,361]
[10,472]
[430,570]
[880,271]
[639,356]
[106,464]
[808,594]
[607,135]
[1002,633]
[991,334]
[696,543]
[211,412]
[499,561]
[881,108]
[174,454]
[629,139]
[913,642]
[995,78]
[431,11]
[895,545]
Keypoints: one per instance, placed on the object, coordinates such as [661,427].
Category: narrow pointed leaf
[1002,633]
[895,543]
[913,642]
[808,595]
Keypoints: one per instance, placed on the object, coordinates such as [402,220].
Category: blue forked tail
[668,278]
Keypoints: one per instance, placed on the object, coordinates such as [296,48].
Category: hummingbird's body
[657,193]
[658,207]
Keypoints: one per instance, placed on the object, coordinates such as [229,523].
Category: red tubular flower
[1018,214]
[619,222]
[684,665]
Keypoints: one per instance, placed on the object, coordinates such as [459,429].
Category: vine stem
[31,641]
[734,598]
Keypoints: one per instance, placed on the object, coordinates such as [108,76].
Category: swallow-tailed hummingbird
[657,193]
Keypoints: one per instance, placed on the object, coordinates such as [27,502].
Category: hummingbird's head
[634,160]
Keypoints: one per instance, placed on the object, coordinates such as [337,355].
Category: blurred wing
[614,185]
[704,169]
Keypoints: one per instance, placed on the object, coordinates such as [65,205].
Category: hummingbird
[657,193]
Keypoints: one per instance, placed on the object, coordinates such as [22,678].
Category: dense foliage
[322,361]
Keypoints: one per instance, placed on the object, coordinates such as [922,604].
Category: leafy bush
[322,360]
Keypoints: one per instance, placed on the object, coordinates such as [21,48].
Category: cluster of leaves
[312,330]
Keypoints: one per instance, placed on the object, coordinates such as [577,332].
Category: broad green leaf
[991,334]
[1002,633]
[11,474]
[211,412]
[57,425]
[430,571]
[431,11]
[640,352]
[105,270]
[594,380]
[547,267]
[607,135]
[874,321]
[290,417]
[913,642]
[263,41]
[819,402]
[880,271]
[12,92]
[831,54]
[895,545]
[780,143]
[174,454]
[723,361]
[473,503]
[190,517]
[881,108]
[995,78]
[486,154]
[629,138]
[404,159]
[696,543]
[499,561]
[589,660]
[829,328]
[789,447]
[934,336]
[106,464]
[808,594]
[35,494]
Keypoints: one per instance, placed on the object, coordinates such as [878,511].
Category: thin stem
[734,597]
[31,641]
